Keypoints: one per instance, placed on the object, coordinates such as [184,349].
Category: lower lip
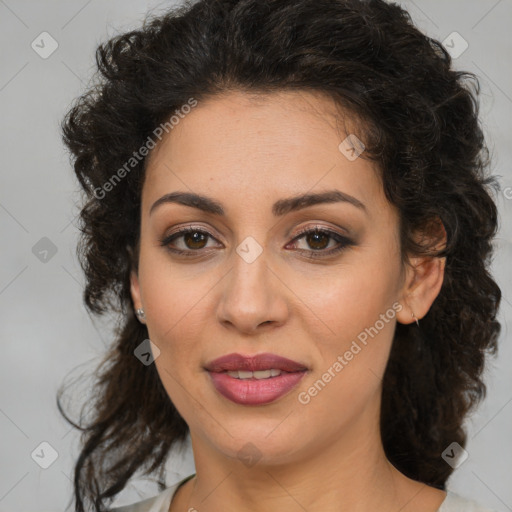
[255,391]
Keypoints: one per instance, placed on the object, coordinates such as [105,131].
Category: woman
[288,206]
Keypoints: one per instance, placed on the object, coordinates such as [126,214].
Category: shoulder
[456,503]
[158,503]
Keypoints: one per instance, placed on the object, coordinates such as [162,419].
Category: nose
[253,298]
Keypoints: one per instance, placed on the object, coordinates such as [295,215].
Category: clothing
[161,503]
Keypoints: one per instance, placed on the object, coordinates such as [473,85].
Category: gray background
[47,335]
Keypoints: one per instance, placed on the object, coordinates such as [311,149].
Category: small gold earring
[416,320]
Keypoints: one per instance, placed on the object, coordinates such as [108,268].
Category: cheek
[173,297]
[346,300]
[354,319]
[351,357]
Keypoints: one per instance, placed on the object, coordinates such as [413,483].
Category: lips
[261,388]
[266,361]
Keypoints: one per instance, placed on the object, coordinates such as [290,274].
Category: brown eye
[195,239]
[317,240]
[190,240]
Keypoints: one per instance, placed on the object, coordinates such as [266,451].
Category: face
[319,283]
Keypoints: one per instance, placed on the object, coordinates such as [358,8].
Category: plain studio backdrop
[46,334]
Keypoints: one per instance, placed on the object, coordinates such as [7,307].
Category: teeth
[261,374]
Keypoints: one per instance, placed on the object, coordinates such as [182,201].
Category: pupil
[196,238]
[316,236]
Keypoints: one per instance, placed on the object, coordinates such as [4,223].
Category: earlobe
[422,286]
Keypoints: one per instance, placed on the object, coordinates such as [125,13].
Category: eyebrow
[279,208]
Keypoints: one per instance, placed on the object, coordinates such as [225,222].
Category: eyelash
[321,253]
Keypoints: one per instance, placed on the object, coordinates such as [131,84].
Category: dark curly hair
[421,125]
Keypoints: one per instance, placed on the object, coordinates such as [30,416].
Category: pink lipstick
[255,380]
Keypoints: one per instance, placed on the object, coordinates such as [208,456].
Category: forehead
[250,148]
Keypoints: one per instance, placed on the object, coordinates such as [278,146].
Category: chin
[263,445]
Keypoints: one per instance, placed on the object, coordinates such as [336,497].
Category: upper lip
[266,361]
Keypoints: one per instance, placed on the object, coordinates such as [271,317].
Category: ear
[424,277]
[134,281]
[135,290]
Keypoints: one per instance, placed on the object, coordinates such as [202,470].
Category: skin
[246,152]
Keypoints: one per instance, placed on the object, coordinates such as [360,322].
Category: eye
[194,239]
[318,239]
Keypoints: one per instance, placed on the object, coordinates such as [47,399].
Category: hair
[422,127]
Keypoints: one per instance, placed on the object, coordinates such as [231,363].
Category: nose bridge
[251,296]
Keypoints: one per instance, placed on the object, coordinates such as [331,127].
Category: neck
[351,473]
